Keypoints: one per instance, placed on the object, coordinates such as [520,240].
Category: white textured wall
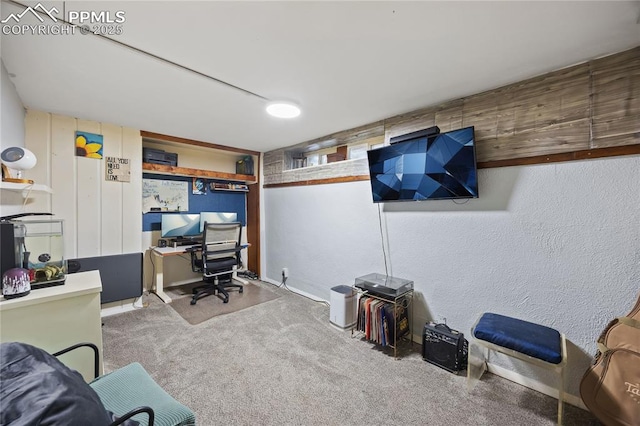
[12,113]
[11,134]
[555,244]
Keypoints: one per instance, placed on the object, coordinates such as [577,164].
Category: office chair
[218,261]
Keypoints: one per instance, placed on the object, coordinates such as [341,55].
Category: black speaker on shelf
[162,243]
[444,347]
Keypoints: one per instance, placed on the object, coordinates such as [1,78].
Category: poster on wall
[198,186]
[164,195]
[88,145]
[117,169]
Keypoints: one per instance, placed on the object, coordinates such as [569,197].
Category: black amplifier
[158,156]
[444,347]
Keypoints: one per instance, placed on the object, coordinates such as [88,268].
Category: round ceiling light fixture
[283,109]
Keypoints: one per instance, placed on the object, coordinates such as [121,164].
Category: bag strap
[602,348]
[631,322]
[635,311]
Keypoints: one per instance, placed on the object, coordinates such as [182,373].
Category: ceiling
[345,63]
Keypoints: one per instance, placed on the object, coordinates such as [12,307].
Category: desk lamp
[18,159]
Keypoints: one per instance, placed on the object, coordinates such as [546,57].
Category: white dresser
[54,318]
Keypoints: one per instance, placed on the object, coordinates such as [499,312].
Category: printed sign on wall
[117,169]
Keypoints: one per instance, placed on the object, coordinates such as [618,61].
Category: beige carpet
[212,306]
[282,363]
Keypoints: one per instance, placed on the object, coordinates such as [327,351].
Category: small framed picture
[199,186]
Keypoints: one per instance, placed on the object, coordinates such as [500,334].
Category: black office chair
[219,258]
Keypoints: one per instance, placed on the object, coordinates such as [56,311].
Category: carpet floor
[282,363]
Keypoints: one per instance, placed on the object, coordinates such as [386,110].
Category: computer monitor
[180,225]
[216,217]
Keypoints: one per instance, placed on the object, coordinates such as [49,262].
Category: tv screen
[180,225]
[441,166]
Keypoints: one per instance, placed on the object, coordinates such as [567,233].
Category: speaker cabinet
[444,347]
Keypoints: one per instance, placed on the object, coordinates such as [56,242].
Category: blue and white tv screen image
[429,167]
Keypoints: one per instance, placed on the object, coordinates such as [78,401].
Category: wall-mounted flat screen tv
[421,166]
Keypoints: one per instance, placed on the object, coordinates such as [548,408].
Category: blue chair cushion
[521,336]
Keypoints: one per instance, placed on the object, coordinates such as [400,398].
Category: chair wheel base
[241,290]
[193,302]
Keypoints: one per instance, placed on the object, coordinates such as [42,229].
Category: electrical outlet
[285,272]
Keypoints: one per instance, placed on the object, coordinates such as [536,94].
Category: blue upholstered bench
[527,341]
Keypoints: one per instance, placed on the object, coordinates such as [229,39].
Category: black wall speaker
[444,347]
[162,243]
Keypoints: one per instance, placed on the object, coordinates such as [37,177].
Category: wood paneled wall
[587,106]
[584,111]
[101,217]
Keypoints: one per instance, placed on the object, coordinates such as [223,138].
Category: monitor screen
[180,225]
[216,217]
[441,166]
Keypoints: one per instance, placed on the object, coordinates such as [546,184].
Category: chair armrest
[134,412]
[96,355]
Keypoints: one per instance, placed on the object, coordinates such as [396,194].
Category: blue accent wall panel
[212,201]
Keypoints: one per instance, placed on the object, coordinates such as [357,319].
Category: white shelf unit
[25,188]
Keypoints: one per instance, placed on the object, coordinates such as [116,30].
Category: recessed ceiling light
[283,110]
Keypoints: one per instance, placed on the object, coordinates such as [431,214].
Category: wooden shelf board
[184,171]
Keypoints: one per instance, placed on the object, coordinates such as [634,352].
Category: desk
[160,253]
[54,318]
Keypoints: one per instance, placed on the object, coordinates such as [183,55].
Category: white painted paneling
[556,244]
[101,218]
[63,179]
[132,192]
[89,173]
[111,211]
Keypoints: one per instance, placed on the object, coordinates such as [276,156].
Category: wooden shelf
[230,190]
[183,171]
[228,186]
[25,187]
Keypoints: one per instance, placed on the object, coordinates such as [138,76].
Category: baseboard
[535,385]
[119,307]
[295,290]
